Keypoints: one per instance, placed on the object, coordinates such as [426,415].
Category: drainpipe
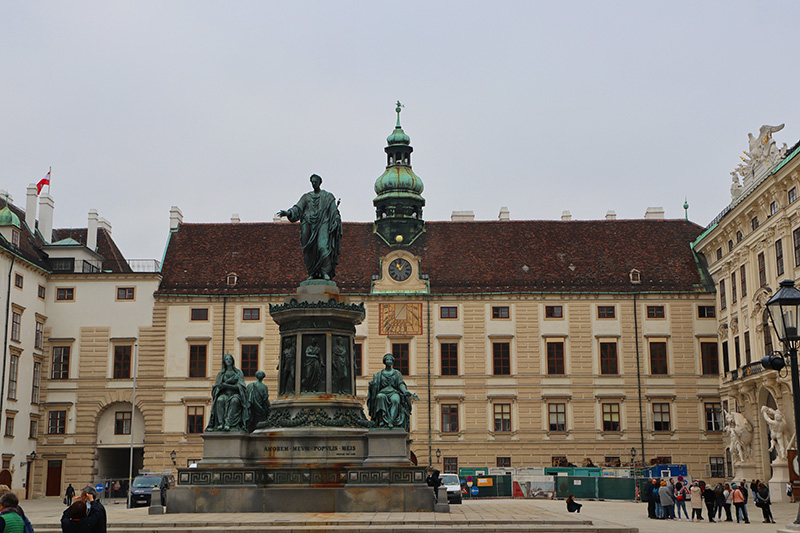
[430,431]
[224,311]
[5,340]
[638,375]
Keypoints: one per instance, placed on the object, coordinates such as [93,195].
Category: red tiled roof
[458,257]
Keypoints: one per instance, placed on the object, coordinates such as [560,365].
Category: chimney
[91,230]
[235,218]
[654,213]
[505,214]
[565,215]
[611,215]
[30,208]
[104,224]
[175,218]
[46,208]
[462,216]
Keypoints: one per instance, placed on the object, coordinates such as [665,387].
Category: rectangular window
[15,237]
[500,311]
[504,462]
[792,196]
[122,423]
[743,280]
[449,358]
[706,311]
[56,422]
[796,241]
[723,303]
[608,358]
[450,465]
[737,352]
[734,296]
[754,223]
[37,374]
[450,418]
[13,374]
[502,417]
[719,254]
[501,358]
[125,293]
[661,417]
[33,430]
[9,426]
[16,325]
[658,358]
[655,311]
[195,419]
[605,311]
[725,362]
[773,208]
[448,311]
[767,339]
[717,465]
[200,313]
[122,361]
[553,311]
[42,292]
[251,313]
[60,362]
[555,358]
[38,339]
[779,257]
[709,358]
[18,281]
[400,353]
[357,358]
[747,359]
[557,416]
[249,359]
[65,294]
[611,417]
[713,417]
[197,360]
[762,270]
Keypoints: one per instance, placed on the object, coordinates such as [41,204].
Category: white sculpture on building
[763,154]
[740,435]
[780,431]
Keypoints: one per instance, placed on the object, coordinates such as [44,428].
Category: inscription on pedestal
[314,451]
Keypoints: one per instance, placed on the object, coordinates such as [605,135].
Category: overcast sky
[229,107]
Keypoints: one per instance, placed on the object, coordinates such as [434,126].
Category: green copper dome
[8,218]
[398,181]
[398,136]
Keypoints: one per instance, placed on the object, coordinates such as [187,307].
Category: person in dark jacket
[572,505]
[434,481]
[710,497]
[69,495]
[74,519]
[763,501]
[96,521]
[647,495]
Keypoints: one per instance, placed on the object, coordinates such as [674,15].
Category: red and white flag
[42,182]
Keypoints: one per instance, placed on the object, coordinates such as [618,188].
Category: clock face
[399,269]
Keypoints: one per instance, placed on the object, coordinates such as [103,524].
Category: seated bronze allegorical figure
[230,407]
[388,399]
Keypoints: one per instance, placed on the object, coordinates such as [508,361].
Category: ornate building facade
[749,248]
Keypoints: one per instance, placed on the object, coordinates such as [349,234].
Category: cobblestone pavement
[480,515]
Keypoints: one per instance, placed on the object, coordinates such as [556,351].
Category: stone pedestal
[745,471]
[388,447]
[442,505]
[778,481]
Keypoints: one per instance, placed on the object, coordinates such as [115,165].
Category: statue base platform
[778,481]
[745,471]
[303,469]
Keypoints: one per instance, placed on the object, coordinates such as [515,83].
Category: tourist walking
[667,497]
[69,495]
[763,501]
[697,501]
[96,514]
[681,495]
[738,501]
[710,497]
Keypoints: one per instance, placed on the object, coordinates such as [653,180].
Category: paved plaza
[498,515]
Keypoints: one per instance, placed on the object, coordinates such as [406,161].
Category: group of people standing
[665,500]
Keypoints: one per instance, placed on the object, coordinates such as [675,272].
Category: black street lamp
[784,310]
[31,458]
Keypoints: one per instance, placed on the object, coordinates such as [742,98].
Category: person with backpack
[681,495]
[12,519]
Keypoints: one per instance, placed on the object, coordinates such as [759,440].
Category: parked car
[453,485]
[143,487]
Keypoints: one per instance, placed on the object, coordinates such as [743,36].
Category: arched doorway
[5,477]
[115,427]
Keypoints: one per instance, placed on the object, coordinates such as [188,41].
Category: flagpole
[50,176]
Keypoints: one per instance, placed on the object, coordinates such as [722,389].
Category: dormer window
[636,277]
[15,237]
[232,279]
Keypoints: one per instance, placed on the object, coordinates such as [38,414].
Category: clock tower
[399,201]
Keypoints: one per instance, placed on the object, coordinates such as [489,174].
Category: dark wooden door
[5,477]
[53,478]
